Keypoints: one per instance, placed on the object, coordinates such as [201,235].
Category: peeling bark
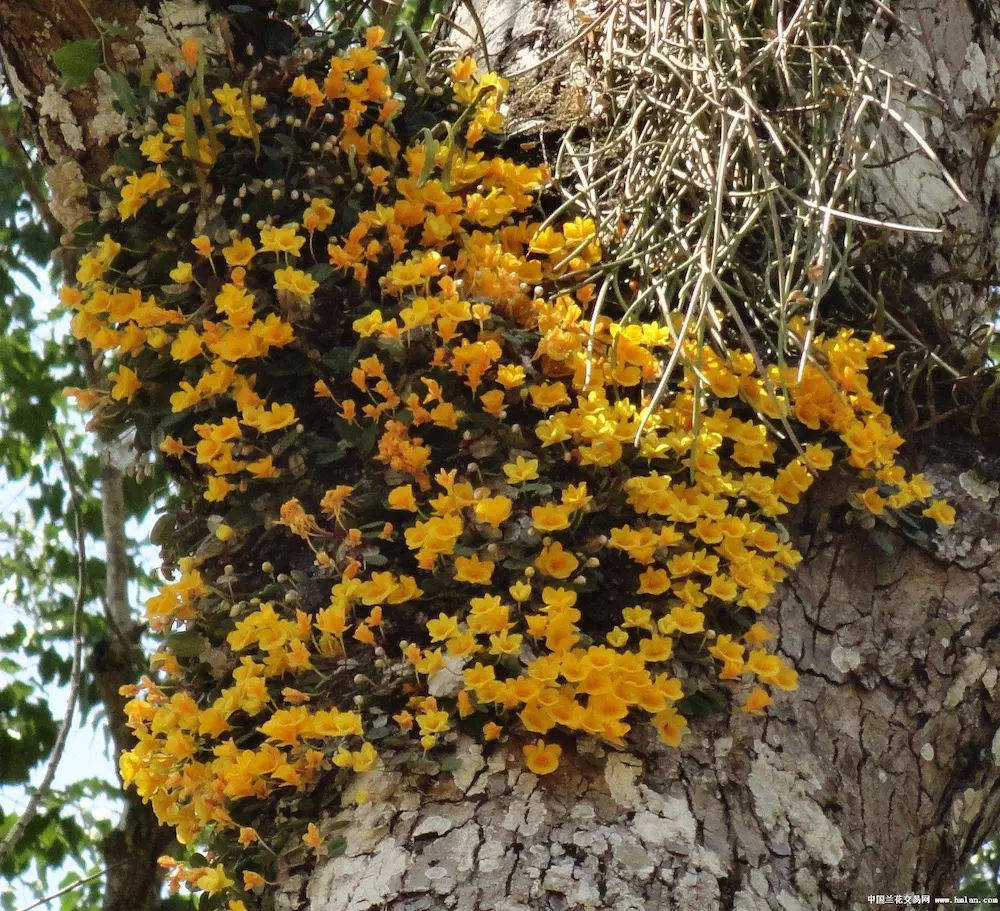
[76,129]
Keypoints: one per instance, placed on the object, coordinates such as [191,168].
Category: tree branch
[45,899]
[116,554]
[14,835]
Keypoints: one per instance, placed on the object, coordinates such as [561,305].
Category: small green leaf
[163,529]
[123,90]
[110,29]
[699,704]
[321,271]
[77,61]
[336,846]
[186,643]
[881,538]
[431,145]
[190,131]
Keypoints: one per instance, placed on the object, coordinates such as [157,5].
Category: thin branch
[874,222]
[45,899]
[116,558]
[14,835]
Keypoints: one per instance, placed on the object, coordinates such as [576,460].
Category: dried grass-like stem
[726,164]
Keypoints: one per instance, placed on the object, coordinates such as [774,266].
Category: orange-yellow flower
[318,216]
[437,535]
[556,562]
[248,836]
[670,725]
[432,722]
[521,469]
[757,701]
[182,273]
[171,446]
[125,384]
[444,627]
[941,512]
[510,376]
[472,569]
[267,420]
[190,49]
[213,880]
[239,252]
[186,345]
[520,591]
[252,880]
[551,517]
[493,510]
[542,758]
[312,837]
[757,634]
[163,83]
[281,240]
[203,245]
[548,396]
[296,282]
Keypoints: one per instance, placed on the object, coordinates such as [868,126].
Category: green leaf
[321,271]
[186,644]
[77,61]
[163,529]
[343,358]
[336,846]
[700,704]
[431,144]
[123,90]
[110,29]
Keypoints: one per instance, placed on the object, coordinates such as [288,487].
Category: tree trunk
[880,774]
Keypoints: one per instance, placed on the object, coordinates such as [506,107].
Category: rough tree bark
[881,773]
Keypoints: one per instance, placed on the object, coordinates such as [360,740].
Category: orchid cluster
[422,490]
